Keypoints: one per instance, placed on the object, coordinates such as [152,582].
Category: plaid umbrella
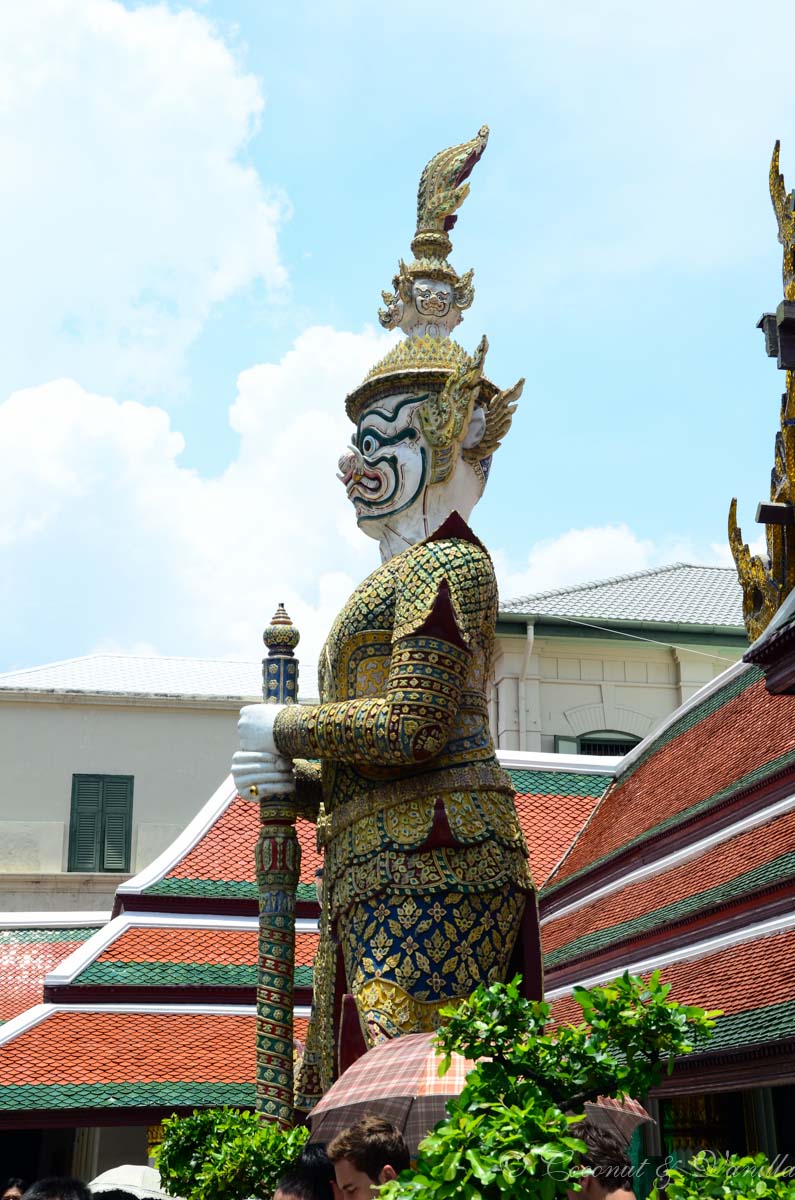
[618,1116]
[398,1080]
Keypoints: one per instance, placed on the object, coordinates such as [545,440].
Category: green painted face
[386,469]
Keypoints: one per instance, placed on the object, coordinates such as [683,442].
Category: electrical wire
[636,637]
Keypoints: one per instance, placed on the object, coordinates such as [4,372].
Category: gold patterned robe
[426,881]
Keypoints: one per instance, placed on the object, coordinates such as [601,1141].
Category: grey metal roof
[134,675]
[679,594]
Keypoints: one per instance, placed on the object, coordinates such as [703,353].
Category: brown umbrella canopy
[398,1080]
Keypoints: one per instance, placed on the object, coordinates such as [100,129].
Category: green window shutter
[117,822]
[85,826]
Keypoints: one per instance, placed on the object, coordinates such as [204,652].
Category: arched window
[609,742]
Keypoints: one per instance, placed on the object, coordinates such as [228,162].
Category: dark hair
[114,1194]
[56,1188]
[310,1176]
[371,1144]
[19,1184]
[606,1157]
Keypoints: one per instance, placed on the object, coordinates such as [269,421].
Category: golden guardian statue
[426,887]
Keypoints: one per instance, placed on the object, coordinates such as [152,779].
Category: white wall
[177,755]
[569,686]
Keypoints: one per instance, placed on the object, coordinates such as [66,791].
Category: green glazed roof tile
[178,974]
[232,889]
[126,1095]
[558,783]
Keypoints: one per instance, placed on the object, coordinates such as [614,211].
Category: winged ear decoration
[445,414]
[499,416]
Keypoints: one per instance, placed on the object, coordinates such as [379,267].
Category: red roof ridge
[81,958]
[674,858]
[687,951]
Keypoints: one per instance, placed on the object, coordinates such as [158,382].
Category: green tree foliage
[729,1177]
[225,1154]
[507,1135]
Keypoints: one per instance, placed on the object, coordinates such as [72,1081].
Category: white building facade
[594,668]
[105,759]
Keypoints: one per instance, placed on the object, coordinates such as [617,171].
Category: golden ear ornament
[445,414]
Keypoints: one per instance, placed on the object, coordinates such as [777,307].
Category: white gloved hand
[258,776]
[255,728]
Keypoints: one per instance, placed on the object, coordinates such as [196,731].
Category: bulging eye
[369,445]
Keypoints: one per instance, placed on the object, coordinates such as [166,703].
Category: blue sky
[202,203]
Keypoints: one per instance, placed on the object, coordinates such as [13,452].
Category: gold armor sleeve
[434,624]
[308,788]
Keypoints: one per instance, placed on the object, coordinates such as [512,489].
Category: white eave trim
[182,845]
[52,920]
[539,760]
[26,1020]
[34,1016]
[660,865]
[82,958]
[686,953]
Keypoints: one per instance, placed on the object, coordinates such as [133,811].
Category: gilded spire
[429,295]
[784,208]
[767,581]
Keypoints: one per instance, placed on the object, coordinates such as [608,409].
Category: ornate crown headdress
[428,358]
[442,191]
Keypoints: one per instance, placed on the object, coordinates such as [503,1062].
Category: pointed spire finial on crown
[429,295]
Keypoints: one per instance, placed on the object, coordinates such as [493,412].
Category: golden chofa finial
[429,295]
[768,579]
[784,208]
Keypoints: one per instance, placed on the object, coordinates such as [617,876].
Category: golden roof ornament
[429,295]
[784,208]
[767,581]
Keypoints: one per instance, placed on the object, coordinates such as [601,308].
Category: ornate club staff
[278,866]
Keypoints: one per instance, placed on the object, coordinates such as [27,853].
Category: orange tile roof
[26,956]
[549,824]
[117,1047]
[226,851]
[717,866]
[747,732]
[748,975]
[148,944]
[103,1058]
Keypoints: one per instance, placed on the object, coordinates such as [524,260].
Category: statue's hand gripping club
[259,771]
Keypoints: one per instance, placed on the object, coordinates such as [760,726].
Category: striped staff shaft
[278,856]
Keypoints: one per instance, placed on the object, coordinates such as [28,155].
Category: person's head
[368,1154]
[13,1189]
[114,1194]
[608,1166]
[310,1177]
[55,1188]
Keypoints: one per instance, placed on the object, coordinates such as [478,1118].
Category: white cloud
[108,537]
[127,209]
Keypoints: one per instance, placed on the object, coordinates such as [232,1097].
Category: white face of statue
[386,473]
[433,298]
